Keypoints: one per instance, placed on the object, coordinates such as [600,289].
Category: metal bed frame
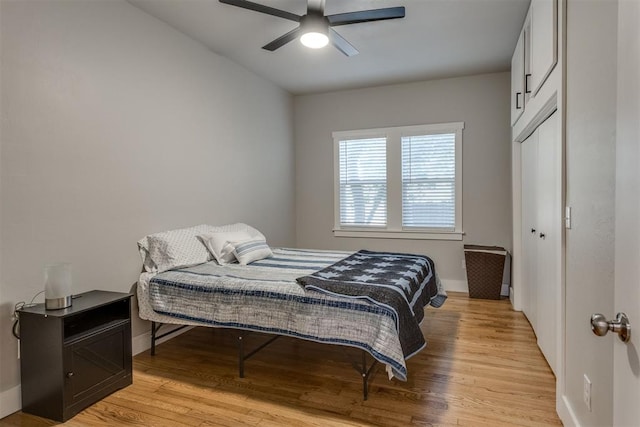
[361,367]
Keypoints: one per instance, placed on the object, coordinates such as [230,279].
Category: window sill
[388,234]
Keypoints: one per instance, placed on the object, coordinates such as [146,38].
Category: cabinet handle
[542,235]
[518,99]
[69,374]
[526,83]
[533,230]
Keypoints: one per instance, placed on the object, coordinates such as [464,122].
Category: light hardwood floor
[481,367]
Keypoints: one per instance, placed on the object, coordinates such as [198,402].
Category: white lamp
[57,286]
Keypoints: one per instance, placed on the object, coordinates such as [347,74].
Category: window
[403,182]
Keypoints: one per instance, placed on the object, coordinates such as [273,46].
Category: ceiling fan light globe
[314,40]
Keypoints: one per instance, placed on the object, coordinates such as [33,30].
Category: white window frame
[394,228]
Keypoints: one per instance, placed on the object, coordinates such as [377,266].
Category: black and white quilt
[404,283]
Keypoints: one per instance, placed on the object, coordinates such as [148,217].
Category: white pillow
[219,249]
[173,249]
[182,247]
[251,250]
[219,244]
[239,226]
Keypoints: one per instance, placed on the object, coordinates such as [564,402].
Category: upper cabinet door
[544,42]
[517,80]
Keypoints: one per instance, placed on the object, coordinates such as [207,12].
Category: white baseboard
[455,285]
[142,342]
[565,412]
[10,401]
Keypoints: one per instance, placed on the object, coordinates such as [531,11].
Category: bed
[372,301]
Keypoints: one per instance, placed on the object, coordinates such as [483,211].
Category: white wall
[481,102]
[590,190]
[114,126]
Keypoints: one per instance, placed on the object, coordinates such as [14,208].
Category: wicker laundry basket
[485,270]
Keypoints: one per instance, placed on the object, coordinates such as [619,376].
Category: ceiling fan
[315,29]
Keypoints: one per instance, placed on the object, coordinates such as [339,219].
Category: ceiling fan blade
[341,44]
[366,16]
[263,9]
[282,40]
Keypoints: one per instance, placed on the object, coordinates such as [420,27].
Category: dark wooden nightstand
[73,357]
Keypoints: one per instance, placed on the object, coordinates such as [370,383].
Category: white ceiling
[437,38]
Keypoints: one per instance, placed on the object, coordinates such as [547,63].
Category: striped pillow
[251,250]
[219,245]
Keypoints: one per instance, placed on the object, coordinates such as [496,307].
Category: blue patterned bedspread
[265,296]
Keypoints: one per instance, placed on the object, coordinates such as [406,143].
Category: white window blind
[363,182]
[429,181]
[400,182]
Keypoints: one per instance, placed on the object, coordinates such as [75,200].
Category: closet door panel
[529,228]
[548,209]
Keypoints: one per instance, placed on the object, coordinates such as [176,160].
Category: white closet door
[529,228]
[549,218]
[541,226]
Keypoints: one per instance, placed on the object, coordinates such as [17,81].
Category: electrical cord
[15,329]
[34,297]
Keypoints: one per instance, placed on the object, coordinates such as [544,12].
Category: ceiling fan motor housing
[314,21]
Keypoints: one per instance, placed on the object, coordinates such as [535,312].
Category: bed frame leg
[241,356]
[153,338]
[365,377]
[366,372]
[155,327]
